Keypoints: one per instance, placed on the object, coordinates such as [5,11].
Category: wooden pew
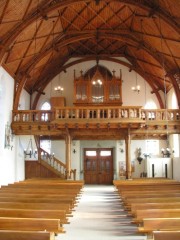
[155,213]
[37,205]
[146,184]
[39,191]
[32,213]
[48,206]
[38,195]
[159,224]
[26,235]
[38,200]
[31,224]
[142,206]
[128,202]
[166,235]
[37,185]
[150,195]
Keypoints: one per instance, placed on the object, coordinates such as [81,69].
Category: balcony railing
[96,113]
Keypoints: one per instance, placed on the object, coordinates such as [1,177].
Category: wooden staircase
[53,164]
[47,166]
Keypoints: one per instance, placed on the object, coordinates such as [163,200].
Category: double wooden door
[98,165]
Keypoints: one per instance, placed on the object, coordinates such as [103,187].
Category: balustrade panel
[97,113]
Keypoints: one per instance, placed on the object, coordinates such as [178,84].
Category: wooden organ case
[98,86]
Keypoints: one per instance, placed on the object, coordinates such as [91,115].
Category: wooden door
[98,165]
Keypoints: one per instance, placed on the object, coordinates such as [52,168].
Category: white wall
[59,150]
[7,159]
[176,165]
[24,101]
[12,158]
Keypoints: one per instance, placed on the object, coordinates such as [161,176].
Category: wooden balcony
[97,122]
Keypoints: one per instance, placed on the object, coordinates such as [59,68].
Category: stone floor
[100,216]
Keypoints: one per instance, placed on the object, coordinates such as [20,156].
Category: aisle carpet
[100,216]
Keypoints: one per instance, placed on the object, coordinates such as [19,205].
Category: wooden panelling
[33,169]
[57,102]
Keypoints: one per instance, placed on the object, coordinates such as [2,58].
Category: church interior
[90,113]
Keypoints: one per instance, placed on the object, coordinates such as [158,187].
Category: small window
[46,106]
[105,153]
[91,153]
[150,105]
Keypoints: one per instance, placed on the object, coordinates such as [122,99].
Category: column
[128,155]
[68,155]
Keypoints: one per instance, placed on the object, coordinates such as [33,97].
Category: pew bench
[149,195]
[32,213]
[128,202]
[45,186]
[159,224]
[47,206]
[31,224]
[141,206]
[155,213]
[166,235]
[38,200]
[39,191]
[26,235]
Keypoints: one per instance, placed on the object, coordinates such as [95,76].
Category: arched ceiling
[38,37]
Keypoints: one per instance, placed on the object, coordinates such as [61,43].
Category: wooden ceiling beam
[4,11]
[72,21]
[29,45]
[84,19]
[10,36]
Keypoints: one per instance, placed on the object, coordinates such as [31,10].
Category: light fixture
[167,152]
[59,88]
[29,151]
[137,87]
[146,155]
[97,76]
[139,158]
[121,150]
[97,82]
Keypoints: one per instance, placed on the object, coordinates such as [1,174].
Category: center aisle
[100,216]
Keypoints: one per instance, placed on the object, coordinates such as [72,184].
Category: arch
[46,8]
[139,71]
[128,39]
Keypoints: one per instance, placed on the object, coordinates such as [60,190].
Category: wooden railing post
[68,155]
[128,158]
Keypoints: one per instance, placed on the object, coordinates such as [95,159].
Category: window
[46,106]
[150,105]
[105,153]
[91,153]
[174,101]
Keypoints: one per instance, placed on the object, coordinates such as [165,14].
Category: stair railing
[56,165]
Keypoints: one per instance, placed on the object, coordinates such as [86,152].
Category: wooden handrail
[128,112]
[56,164]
